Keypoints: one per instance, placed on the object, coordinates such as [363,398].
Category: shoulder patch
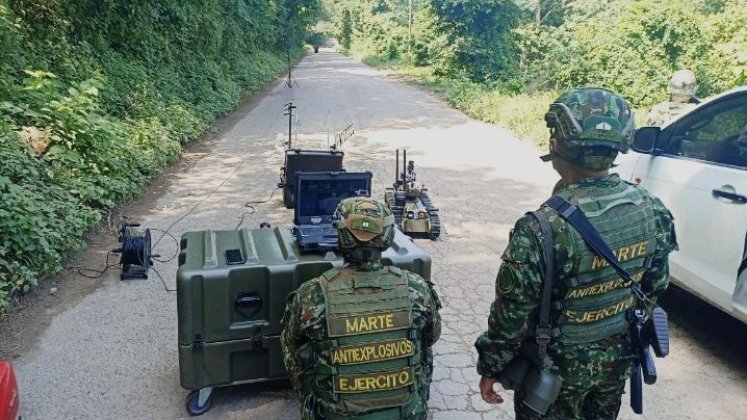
[395,270]
[506,282]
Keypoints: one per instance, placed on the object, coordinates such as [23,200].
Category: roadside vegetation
[503,61]
[96,97]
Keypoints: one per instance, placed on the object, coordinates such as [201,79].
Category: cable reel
[136,257]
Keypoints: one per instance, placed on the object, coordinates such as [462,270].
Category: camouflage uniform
[590,347]
[344,375]
[681,88]
[664,112]
[593,373]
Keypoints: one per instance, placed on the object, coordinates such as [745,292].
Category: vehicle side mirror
[645,138]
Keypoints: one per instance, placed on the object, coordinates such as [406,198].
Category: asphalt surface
[113,355]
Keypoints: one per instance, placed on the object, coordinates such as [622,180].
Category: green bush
[523,114]
[633,47]
[113,90]
[498,62]
[41,216]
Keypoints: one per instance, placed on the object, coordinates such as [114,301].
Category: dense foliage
[481,53]
[634,46]
[458,38]
[96,97]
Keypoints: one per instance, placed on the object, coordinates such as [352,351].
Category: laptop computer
[317,196]
[298,160]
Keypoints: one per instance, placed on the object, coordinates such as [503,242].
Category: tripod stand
[290,81]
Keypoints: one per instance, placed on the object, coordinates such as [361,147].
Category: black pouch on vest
[512,376]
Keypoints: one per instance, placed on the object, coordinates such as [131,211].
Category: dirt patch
[31,314]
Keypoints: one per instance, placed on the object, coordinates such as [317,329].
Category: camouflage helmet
[364,225]
[590,126]
[682,83]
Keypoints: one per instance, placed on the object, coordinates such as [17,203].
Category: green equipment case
[231,292]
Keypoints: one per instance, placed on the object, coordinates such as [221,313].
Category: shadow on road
[721,335]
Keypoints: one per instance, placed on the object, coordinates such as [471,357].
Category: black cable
[253,210]
[208,196]
[239,166]
[197,204]
[272,193]
[176,241]
[133,252]
[166,288]
[241,221]
[136,249]
[98,274]
[247,204]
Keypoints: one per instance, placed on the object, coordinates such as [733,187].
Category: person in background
[681,89]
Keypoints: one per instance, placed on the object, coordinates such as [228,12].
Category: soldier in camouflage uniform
[590,347]
[681,89]
[357,341]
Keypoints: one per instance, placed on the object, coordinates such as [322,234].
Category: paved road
[114,354]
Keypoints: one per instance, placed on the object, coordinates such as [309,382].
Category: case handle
[248,304]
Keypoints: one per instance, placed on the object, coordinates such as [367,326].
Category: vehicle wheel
[192,404]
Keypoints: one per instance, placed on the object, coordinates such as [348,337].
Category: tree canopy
[631,46]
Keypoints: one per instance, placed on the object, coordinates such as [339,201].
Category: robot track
[435,230]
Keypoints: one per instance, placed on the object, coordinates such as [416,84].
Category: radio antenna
[288,108]
[396,169]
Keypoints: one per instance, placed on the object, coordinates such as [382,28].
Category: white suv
[697,165]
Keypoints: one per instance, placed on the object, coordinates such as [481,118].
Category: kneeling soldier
[357,341]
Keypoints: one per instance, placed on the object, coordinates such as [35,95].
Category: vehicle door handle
[737,198]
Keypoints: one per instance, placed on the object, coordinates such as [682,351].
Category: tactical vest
[591,301]
[667,111]
[371,362]
[677,108]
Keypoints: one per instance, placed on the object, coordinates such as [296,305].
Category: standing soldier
[681,89]
[590,345]
[357,341]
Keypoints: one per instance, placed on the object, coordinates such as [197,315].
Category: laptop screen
[317,194]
